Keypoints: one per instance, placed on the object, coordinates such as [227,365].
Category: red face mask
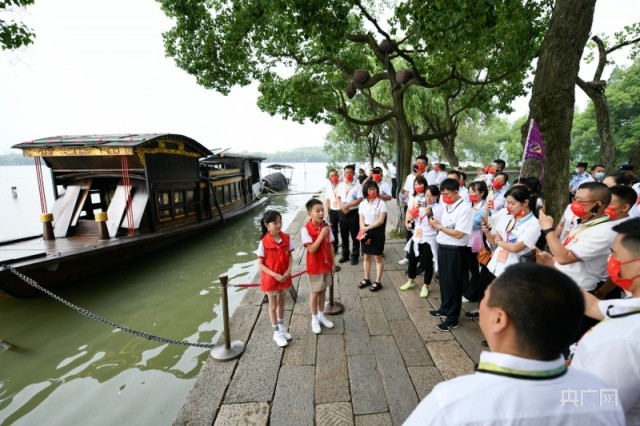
[578,209]
[490,170]
[473,198]
[497,185]
[419,189]
[611,212]
[348,178]
[372,195]
[510,211]
[377,177]
[613,269]
[421,168]
[447,199]
[334,179]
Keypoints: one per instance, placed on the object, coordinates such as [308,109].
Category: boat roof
[230,155]
[129,140]
[279,166]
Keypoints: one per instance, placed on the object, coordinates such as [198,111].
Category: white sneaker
[279,339]
[327,323]
[282,329]
[315,327]
[403,261]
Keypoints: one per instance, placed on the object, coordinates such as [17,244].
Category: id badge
[502,256]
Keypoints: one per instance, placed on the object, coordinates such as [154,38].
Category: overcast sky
[100,67]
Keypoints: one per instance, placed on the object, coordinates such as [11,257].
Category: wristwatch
[546,231]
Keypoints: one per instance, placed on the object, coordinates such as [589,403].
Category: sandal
[375,286]
[364,283]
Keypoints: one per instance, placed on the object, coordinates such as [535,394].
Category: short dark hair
[599,189]
[442,167]
[500,162]
[455,172]
[434,190]
[545,306]
[350,166]
[450,185]
[597,165]
[463,175]
[624,177]
[422,157]
[377,170]
[506,176]
[626,194]
[368,184]
[630,231]
[312,202]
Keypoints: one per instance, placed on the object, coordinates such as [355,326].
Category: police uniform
[507,390]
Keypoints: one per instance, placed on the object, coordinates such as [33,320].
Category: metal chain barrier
[296,275]
[98,318]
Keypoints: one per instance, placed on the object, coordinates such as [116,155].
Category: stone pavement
[383,356]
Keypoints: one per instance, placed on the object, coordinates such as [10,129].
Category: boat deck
[383,356]
[35,247]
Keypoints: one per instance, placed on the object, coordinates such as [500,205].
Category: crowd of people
[540,286]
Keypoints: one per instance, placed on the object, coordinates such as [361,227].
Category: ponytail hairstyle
[521,193]
[268,217]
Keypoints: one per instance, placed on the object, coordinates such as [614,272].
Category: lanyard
[513,224]
[588,225]
[625,314]
[490,368]
[454,209]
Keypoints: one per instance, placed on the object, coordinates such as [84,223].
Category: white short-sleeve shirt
[484,399]
[611,351]
[590,243]
[384,188]
[527,230]
[568,222]
[371,210]
[349,192]
[499,199]
[408,183]
[306,238]
[458,216]
[331,194]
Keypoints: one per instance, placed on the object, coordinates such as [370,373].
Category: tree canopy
[14,35]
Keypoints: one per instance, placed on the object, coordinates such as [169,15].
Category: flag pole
[526,145]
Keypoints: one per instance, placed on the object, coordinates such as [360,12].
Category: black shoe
[354,261]
[338,268]
[445,326]
[343,260]
[475,314]
[437,314]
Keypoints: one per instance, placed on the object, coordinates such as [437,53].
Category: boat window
[164,205]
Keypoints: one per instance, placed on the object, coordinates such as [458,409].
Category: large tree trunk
[634,155]
[448,144]
[405,151]
[553,95]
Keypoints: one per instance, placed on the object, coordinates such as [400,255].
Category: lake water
[67,369]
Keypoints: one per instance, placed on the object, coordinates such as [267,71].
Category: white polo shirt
[440,177]
[568,222]
[408,183]
[499,200]
[331,194]
[458,216]
[371,210]
[611,351]
[590,243]
[526,230]
[487,398]
[384,188]
[431,177]
[349,192]
[422,221]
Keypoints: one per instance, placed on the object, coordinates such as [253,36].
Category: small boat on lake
[277,180]
[121,196]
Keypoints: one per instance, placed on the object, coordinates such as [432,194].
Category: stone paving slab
[382,357]
[249,414]
[293,401]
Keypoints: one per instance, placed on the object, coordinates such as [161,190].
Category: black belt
[450,247]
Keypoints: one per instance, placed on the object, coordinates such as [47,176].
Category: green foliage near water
[15,160]
[311,154]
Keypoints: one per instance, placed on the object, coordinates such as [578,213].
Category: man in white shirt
[528,316]
[500,185]
[332,206]
[611,350]
[350,196]
[393,170]
[384,189]
[454,231]
[442,173]
[463,191]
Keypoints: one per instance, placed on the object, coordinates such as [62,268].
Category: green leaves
[14,35]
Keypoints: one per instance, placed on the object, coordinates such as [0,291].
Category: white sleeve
[428,412]
[531,233]
[383,206]
[291,246]
[464,223]
[328,193]
[408,186]
[260,251]
[305,237]
[594,245]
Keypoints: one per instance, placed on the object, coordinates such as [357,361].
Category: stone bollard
[47,226]
[101,220]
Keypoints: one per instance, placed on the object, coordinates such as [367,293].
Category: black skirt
[373,242]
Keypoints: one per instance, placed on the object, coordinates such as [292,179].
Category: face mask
[600,176]
[447,199]
[348,178]
[613,269]
[578,209]
[372,195]
[421,168]
[377,177]
[497,185]
[490,170]
[436,169]
[611,212]
[510,211]
[473,198]
[419,189]
[334,179]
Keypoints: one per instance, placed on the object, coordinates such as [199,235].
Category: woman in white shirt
[372,212]
[422,245]
[516,234]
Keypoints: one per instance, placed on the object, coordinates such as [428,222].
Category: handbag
[476,241]
[484,256]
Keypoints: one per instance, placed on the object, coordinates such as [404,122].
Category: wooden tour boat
[277,180]
[121,196]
